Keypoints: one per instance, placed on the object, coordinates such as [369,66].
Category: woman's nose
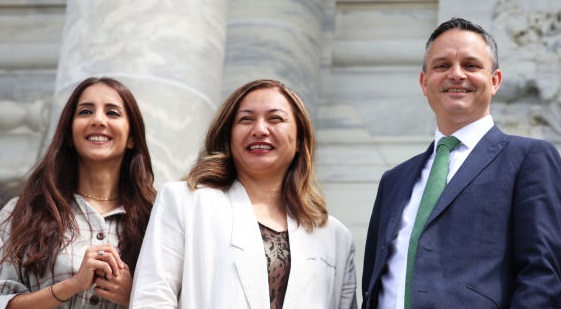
[261,128]
[99,118]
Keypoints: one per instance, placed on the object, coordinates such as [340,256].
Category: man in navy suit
[493,238]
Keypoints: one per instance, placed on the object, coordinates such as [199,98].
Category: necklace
[99,199]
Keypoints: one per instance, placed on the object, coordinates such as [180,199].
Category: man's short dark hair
[462,24]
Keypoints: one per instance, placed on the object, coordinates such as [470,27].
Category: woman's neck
[266,199]
[99,185]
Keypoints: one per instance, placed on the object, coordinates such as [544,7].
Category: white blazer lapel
[247,249]
[303,267]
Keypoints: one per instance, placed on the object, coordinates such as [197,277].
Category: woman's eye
[114,113]
[84,112]
[276,119]
[245,120]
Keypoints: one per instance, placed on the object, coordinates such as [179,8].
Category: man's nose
[456,72]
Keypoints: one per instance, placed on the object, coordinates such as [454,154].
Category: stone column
[169,53]
[278,40]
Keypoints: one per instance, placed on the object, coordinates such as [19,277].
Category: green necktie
[434,187]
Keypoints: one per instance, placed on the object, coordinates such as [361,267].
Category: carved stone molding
[529,39]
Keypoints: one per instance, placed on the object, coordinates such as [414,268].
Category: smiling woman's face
[264,134]
[100,129]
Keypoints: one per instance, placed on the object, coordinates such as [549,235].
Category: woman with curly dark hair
[72,237]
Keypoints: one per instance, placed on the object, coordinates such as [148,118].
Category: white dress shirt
[392,293]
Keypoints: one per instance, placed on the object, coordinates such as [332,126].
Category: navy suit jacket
[493,239]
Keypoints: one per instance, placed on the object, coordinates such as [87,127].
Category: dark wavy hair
[43,215]
[215,166]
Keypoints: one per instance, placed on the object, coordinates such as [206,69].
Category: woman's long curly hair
[43,220]
[215,166]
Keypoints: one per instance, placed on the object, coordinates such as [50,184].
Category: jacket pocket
[483,296]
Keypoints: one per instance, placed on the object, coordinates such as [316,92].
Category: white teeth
[455,90]
[260,146]
[98,138]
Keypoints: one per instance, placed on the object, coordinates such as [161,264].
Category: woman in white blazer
[249,228]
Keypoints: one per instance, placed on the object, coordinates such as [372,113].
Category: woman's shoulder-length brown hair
[215,167]
[43,211]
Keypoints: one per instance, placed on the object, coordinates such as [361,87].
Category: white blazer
[203,249]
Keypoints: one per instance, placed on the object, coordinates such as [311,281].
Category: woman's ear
[130,143]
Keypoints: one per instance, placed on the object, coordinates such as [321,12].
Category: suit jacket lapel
[402,193]
[482,155]
[247,249]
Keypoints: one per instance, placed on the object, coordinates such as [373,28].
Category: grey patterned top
[4,198]
[94,230]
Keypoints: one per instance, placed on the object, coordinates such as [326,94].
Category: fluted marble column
[275,39]
[169,53]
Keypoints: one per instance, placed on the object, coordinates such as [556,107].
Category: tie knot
[450,142]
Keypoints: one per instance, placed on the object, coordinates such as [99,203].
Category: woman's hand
[98,262]
[101,261]
[117,289]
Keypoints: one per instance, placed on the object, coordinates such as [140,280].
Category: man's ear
[496,80]
[422,82]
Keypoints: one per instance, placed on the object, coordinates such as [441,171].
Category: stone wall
[30,35]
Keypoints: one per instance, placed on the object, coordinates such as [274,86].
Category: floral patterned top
[277,251]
